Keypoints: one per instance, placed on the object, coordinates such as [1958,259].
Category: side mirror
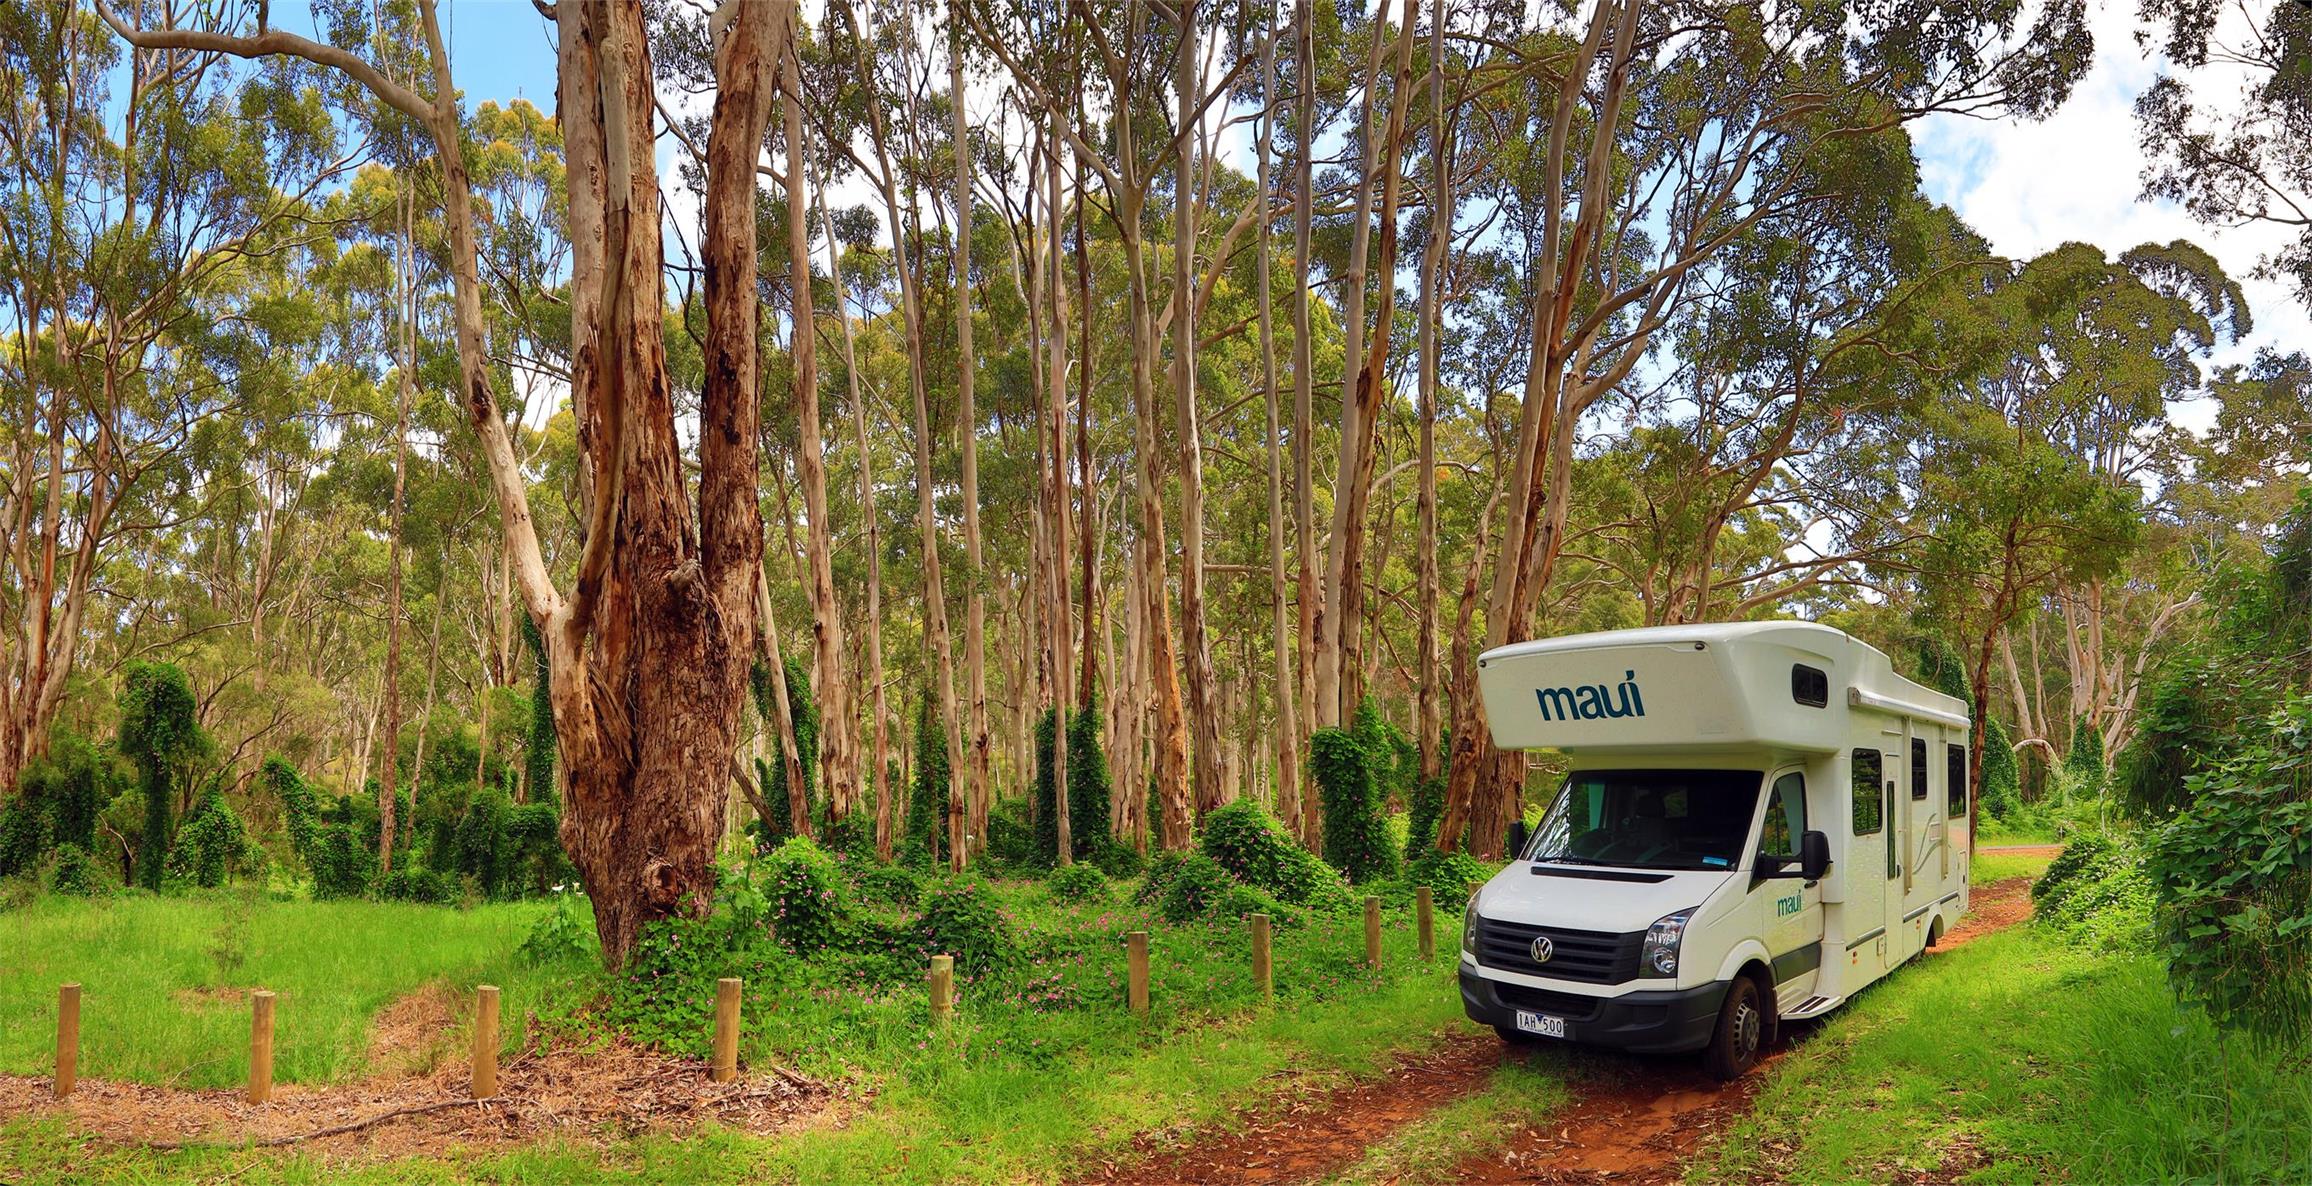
[1813,855]
[1517,836]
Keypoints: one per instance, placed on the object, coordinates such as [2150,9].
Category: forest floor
[1465,1111]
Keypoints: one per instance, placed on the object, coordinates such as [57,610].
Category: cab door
[1793,907]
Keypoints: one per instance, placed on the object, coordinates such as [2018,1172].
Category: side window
[1867,814]
[1918,767]
[1809,686]
[1955,777]
[1785,817]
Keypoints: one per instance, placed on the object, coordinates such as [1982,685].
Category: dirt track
[1631,1120]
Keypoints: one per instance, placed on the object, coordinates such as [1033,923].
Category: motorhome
[1757,820]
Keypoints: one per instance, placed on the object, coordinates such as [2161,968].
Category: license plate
[1541,1023]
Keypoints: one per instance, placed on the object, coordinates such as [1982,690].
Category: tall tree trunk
[934,591]
[975,595]
[1353,485]
[1287,797]
[837,759]
[1428,719]
[1203,704]
[1336,628]
[407,294]
[878,712]
[1059,629]
[1088,495]
[1304,437]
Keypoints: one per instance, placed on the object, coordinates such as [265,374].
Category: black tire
[1741,1031]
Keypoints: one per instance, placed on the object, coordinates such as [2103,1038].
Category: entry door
[1794,906]
[1867,867]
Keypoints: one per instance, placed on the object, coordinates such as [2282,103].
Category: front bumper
[1646,1022]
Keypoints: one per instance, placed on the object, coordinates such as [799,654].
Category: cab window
[1785,817]
[1867,804]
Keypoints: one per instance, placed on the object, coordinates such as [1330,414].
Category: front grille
[1596,957]
[1570,1005]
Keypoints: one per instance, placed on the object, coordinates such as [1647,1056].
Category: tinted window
[1866,792]
[1918,767]
[1809,685]
[1955,777]
[1649,819]
[1785,817]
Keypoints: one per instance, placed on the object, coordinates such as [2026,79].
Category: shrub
[484,842]
[345,863]
[1422,815]
[416,883]
[1356,836]
[1080,884]
[210,842]
[75,873]
[2233,872]
[2084,761]
[1447,874]
[927,795]
[1244,901]
[159,728]
[1011,841]
[1255,849]
[808,910]
[894,884]
[558,937]
[1195,888]
[1161,870]
[1120,861]
[2002,792]
[961,919]
[23,834]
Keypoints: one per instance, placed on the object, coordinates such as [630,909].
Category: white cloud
[2077,177]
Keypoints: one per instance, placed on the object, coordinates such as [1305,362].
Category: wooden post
[485,1076]
[1262,974]
[942,989]
[67,1039]
[1372,932]
[260,1046]
[1136,969]
[1425,922]
[726,1029]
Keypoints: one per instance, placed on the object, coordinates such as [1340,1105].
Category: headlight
[1469,927]
[1659,955]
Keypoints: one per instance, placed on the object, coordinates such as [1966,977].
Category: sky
[2026,187]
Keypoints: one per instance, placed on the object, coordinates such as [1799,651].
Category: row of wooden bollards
[1263,967]
[485,1049]
[725,1062]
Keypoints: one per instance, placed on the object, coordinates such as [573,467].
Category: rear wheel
[1741,1031]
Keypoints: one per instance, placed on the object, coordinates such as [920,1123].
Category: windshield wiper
[1567,859]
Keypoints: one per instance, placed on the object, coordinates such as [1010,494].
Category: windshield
[1649,819]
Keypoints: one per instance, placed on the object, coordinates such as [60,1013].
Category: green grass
[2015,1059]
[1999,866]
[1990,831]
[165,981]
[1521,1092]
[1042,1068]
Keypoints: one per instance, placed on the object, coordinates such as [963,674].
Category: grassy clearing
[1043,1068]
[165,981]
[2017,1059]
[1999,866]
[1520,1093]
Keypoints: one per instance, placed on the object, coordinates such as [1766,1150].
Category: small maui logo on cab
[1592,702]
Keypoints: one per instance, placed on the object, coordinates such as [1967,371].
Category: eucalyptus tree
[1660,135]
[649,650]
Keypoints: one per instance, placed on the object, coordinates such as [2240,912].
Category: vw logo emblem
[1543,949]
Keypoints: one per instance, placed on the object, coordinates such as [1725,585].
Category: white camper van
[1759,819]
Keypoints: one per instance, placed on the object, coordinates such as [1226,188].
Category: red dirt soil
[1637,1120]
[1314,1132]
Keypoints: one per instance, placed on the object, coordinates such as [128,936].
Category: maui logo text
[1592,702]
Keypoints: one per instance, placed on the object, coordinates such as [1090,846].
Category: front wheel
[1741,1030]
